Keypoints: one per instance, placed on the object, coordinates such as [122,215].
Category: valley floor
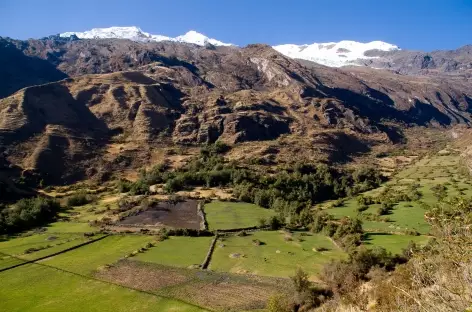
[72,266]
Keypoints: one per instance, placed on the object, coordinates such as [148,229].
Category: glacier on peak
[136,34]
[334,54]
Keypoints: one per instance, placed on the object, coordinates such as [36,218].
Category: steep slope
[232,69]
[127,98]
[18,70]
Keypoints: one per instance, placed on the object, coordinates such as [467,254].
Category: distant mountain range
[375,54]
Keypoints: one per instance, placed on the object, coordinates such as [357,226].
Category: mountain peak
[195,37]
[136,34]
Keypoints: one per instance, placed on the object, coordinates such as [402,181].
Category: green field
[391,242]
[279,255]
[177,251]
[87,259]
[234,215]
[36,288]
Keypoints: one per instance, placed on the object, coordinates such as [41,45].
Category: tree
[300,281]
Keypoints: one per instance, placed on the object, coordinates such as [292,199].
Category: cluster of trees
[27,213]
[346,232]
[288,192]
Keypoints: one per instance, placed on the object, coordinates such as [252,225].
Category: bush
[79,199]
[279,303]
[275,223]
[300,281]
[139,187]
[362,208]
[124,186]
[384,209]
[262,222]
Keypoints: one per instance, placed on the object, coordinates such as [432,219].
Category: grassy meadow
[177,251]
[223,215]
[87,259]
[38,288]
[278,254]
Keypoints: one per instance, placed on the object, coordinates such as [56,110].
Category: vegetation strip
[54,254]
[251,228]
[207,260]
[202,215]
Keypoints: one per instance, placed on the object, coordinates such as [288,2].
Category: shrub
[124,186]
[300,280]
[79,199]
[262,222]
[279,303]
[139,187]
[384,208]
[338,203]
[275,223]
[362,208]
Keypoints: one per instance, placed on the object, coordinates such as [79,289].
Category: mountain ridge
[136,34]
[144,95]
[374,54]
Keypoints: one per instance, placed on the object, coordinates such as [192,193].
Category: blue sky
[413,24]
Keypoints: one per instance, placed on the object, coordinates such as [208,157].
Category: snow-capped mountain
[335,54]
[136,34]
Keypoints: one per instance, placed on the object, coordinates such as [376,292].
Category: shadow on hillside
[18,70]
[378,106]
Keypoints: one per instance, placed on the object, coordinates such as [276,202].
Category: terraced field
[427,175]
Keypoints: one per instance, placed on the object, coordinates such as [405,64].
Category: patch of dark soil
[177,215]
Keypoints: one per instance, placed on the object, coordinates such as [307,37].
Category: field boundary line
[334,243]
[53,254]
[207,260]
